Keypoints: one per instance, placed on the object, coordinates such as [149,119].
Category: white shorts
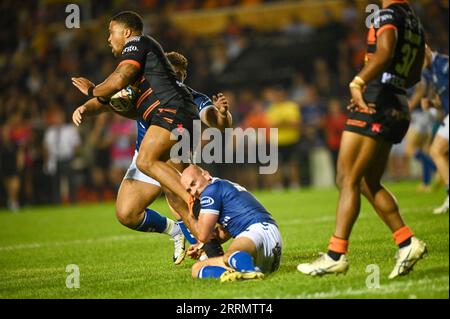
[267,239]
[443,129]
[422,122]
[134,173]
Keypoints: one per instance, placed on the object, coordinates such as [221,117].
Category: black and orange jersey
[404,70]
[157,81]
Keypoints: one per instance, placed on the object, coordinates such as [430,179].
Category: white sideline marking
[71,242]
[392,288]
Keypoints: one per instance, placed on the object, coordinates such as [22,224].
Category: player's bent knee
[143,164]
[126,216]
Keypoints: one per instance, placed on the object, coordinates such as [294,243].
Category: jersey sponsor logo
[206,201]
[129,49]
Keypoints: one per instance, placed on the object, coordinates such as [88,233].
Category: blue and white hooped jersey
[236,207]
[437,76]
[202,101]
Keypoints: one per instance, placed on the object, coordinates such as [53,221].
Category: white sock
[172,228]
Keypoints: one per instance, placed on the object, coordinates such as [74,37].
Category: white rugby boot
[179,250]
[325,265]
[443,209]
[407,257]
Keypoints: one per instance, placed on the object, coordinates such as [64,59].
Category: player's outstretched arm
[91,108]
[219,116]
[124,75]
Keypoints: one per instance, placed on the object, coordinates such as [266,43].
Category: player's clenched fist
[77,115]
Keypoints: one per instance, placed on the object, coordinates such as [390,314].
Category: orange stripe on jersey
[136,63]
[384,28]
[147,112]
[167,110]
[357,123]
[170,121]
[143,97]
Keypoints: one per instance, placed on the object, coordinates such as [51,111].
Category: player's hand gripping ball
[124,102]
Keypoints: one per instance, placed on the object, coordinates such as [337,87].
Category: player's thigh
[134,196]
[156,145]
[241,244]
[355,154]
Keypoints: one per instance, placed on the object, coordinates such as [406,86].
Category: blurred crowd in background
[46,159]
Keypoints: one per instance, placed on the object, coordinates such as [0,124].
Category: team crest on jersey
[206,201]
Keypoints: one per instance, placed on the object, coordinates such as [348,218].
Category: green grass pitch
[37,244]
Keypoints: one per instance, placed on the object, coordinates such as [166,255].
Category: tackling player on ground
[257,245]
[378,119]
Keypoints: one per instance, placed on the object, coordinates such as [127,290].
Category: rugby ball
[124,102]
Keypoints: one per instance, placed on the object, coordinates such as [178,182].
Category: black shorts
[179,115]
[392,117]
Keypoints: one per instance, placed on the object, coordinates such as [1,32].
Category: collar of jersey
[135,38]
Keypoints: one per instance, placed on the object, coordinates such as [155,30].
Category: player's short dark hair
[130,19]
[178,60]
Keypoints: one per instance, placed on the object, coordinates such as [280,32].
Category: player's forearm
[124,75]
[115,82]
[213,118]
[222,122]
[94,107]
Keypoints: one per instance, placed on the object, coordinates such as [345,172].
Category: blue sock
[211,272]
[152,222]
[428,166]
[241,261]
[191,239]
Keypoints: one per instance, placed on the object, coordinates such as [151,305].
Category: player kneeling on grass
[257,245]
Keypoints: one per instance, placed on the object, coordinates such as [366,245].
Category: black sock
[334,255]
[405,243]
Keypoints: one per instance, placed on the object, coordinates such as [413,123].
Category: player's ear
[206,174]
[127,32]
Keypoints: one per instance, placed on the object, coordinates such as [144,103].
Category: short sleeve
[203,103]
[211,199]
[385,21]
[134,52]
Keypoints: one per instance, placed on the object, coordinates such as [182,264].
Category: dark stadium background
[252,50]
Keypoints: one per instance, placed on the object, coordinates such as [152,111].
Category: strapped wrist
[102,100]
[358,80]
[90,91]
